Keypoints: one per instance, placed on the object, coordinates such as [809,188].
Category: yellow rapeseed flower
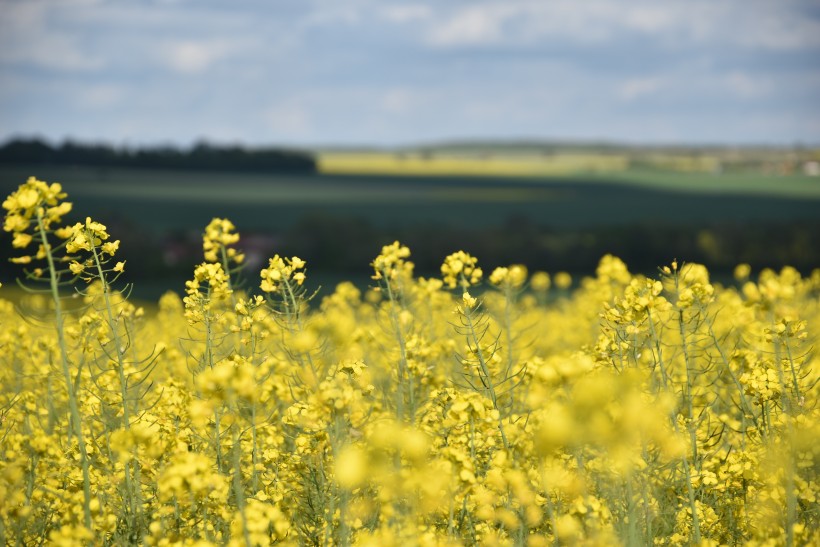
[460,269]
[282,270]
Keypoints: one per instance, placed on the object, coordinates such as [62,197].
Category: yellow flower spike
[499,276]
[31,199]
[392,262]
[281,270]
[512,277]
[459,269]
[220,234]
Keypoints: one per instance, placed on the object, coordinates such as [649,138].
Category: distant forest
[202,156]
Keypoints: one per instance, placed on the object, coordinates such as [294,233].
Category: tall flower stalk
[33,211]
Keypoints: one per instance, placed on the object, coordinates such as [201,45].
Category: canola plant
[462,410]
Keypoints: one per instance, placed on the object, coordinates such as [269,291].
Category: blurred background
[539,132]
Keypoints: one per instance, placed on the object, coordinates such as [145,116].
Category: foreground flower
[33,198]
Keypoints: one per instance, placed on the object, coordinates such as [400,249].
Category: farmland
[547,222]
[570,200]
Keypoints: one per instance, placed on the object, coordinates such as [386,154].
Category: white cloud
[747,86]
[651,19]
[288,119]
[54,51]
[330,12]
[398,101]
[780,30]
[192,56]
[28,38]
[752,23]
[100,96]
[406,13]
[471,26]
[527,22]
[636,88]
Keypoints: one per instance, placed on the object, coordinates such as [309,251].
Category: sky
[391,73]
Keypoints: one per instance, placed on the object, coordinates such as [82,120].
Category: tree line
[201,156]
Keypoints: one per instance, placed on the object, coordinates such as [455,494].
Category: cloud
[752,23]
[324,13]
[636,88]
[192,57]
[471,26]
[406,13]
[390,71]
[54,52]
[780,30]
[100,96]
[288,118]
[28,38]
[747,86]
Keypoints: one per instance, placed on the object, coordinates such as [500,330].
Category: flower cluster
[392,262]
[208,287]
[512,277]
[220,237]
[33,199]
[282,272]
[32,211]
[91,237]
[459,269]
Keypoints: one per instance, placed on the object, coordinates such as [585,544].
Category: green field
[172,199]
[338,222]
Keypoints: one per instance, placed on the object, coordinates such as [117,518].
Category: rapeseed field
[479,407]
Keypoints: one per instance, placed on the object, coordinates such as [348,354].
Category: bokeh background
[541,132]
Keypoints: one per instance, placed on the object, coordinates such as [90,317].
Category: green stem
[239,493]
[133,517]
[485,370]
[508,302]
[658,349]
[692,432]
[404,371]
[210,361]
[74,409]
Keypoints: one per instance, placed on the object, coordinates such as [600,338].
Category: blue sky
[389,72]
